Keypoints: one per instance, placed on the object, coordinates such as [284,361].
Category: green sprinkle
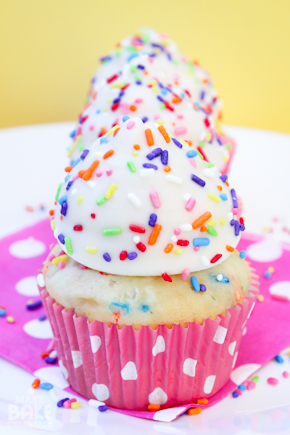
[67,242]
[200,155]
[133,68]
[212,231]
[201,144]
[111,231]
[209,165]
[57,192]
[138,77]
[228,146]
[162,106]
[101,201]
[131,166]
[255,379]
[80,145]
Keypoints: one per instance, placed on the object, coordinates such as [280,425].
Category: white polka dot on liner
[38,329]
[220,334]
[129,372]
[159,346]
[27,286]
[158,396]
[100,391]
[209,383]
[281,288]
[77,358]
[266,250]
[27,248]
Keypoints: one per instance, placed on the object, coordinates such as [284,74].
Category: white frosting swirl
[160,203]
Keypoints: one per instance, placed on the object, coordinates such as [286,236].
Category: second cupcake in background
[145,292]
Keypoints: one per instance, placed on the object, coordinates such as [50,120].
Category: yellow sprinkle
[52,224]
[117,85]
[271,269]
[222,221]
[72,149]
[110,132]
[160,122]
[153,82]
[178,251]
[110,190]
[80,199]
[184,142]
[57,260]
[155,89]
[208,137]
[260,298]
[75,405]
[212,222]
[109,100]
[105,109]
[214,197]
[225,159]
[134,153]
[90,249]
[10,319]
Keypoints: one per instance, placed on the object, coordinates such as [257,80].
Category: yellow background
[49,51]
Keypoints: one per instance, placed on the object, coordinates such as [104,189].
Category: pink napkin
[21,255]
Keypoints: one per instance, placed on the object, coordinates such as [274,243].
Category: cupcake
[145,291]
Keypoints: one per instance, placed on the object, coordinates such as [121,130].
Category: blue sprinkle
[107,257]
[77,161]
[267,274]
[115,308]
[243,254]
[61,238]
[62,199]
[103,408]
[49,360]
[164,157]
[42,318]
[104,139]
[279,359]
[223,196]
[155,153]
[145,119]
[132,255]
[34,305]
[242,387]
[125,118]
[177,143]
[84,154]
[46,386]
[224,279]
[202,288]
[63,209]
[203,241]
[152,219]
[69,185]
[98,111]
[150,165]
[144,308]
[191,153]
[224,177]
[61,402]
[198,180]
[163,91]
[72,134]
[195,284]
[66,178]
[2,312]
[235,394]
[132,56]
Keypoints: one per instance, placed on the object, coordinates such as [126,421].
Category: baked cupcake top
[140,89]
[140,203]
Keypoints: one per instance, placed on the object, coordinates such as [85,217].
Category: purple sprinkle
[84,154]
[63,208]
[116,100]
[155,153]
[235,394]
[145,119]
[242,227]
[34,305]
[150,165]
[197,180]
[236,225]
[105,58]
[234,197]
[154,44]
[42,318]
[49,360]
[152,220]
[138,82]
[224,177]
[202,95]
[202,288]
[141,66]
[164,157]
[61,402]
[177,143]
[103,408]
[132,255]
[69,185]
[219,141]
[160,98]
[107,257]
[61,238]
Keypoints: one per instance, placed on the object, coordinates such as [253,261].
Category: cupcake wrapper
[129,369]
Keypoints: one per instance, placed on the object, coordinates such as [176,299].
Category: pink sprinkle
[125,108]
[78,132]
[196,248]
[180,130]
[280,298]
[273,381]
[192,162]
[190,204]
[51,257]
[75,177]
[99,174]
[235,210]
[177,231]
[246,383]
[109,172]
[91,127]
[61,264]
[286,375]
[251,385]
[67,403]
[139,100]
[176,77]
[83,267]
[239,391]
[51,218]
[180,116]
[155,199]
[156,117]
[150,60]
[130,124]
[60,253]
[185,274]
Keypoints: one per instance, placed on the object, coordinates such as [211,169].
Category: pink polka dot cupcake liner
[130,369]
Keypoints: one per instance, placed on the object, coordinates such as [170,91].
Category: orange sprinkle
[36,383]
[146,73]
[117,316]
[51,212]
[44,355]
[108,154]
[203,229]
[167,168]
[176,100]
[202,401]
[164,133]
[61,218]
[220,188]
[103,131]
[89,172]
[153,407]
[94,95]
[116,131]
[227,183]
[168,248]
[137,147]
[81,173]
[194,411]
[133,108]
[154,235]
[149,137]
[55,203]
[68,168]
[237,295]
[201,220]
[230,248]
